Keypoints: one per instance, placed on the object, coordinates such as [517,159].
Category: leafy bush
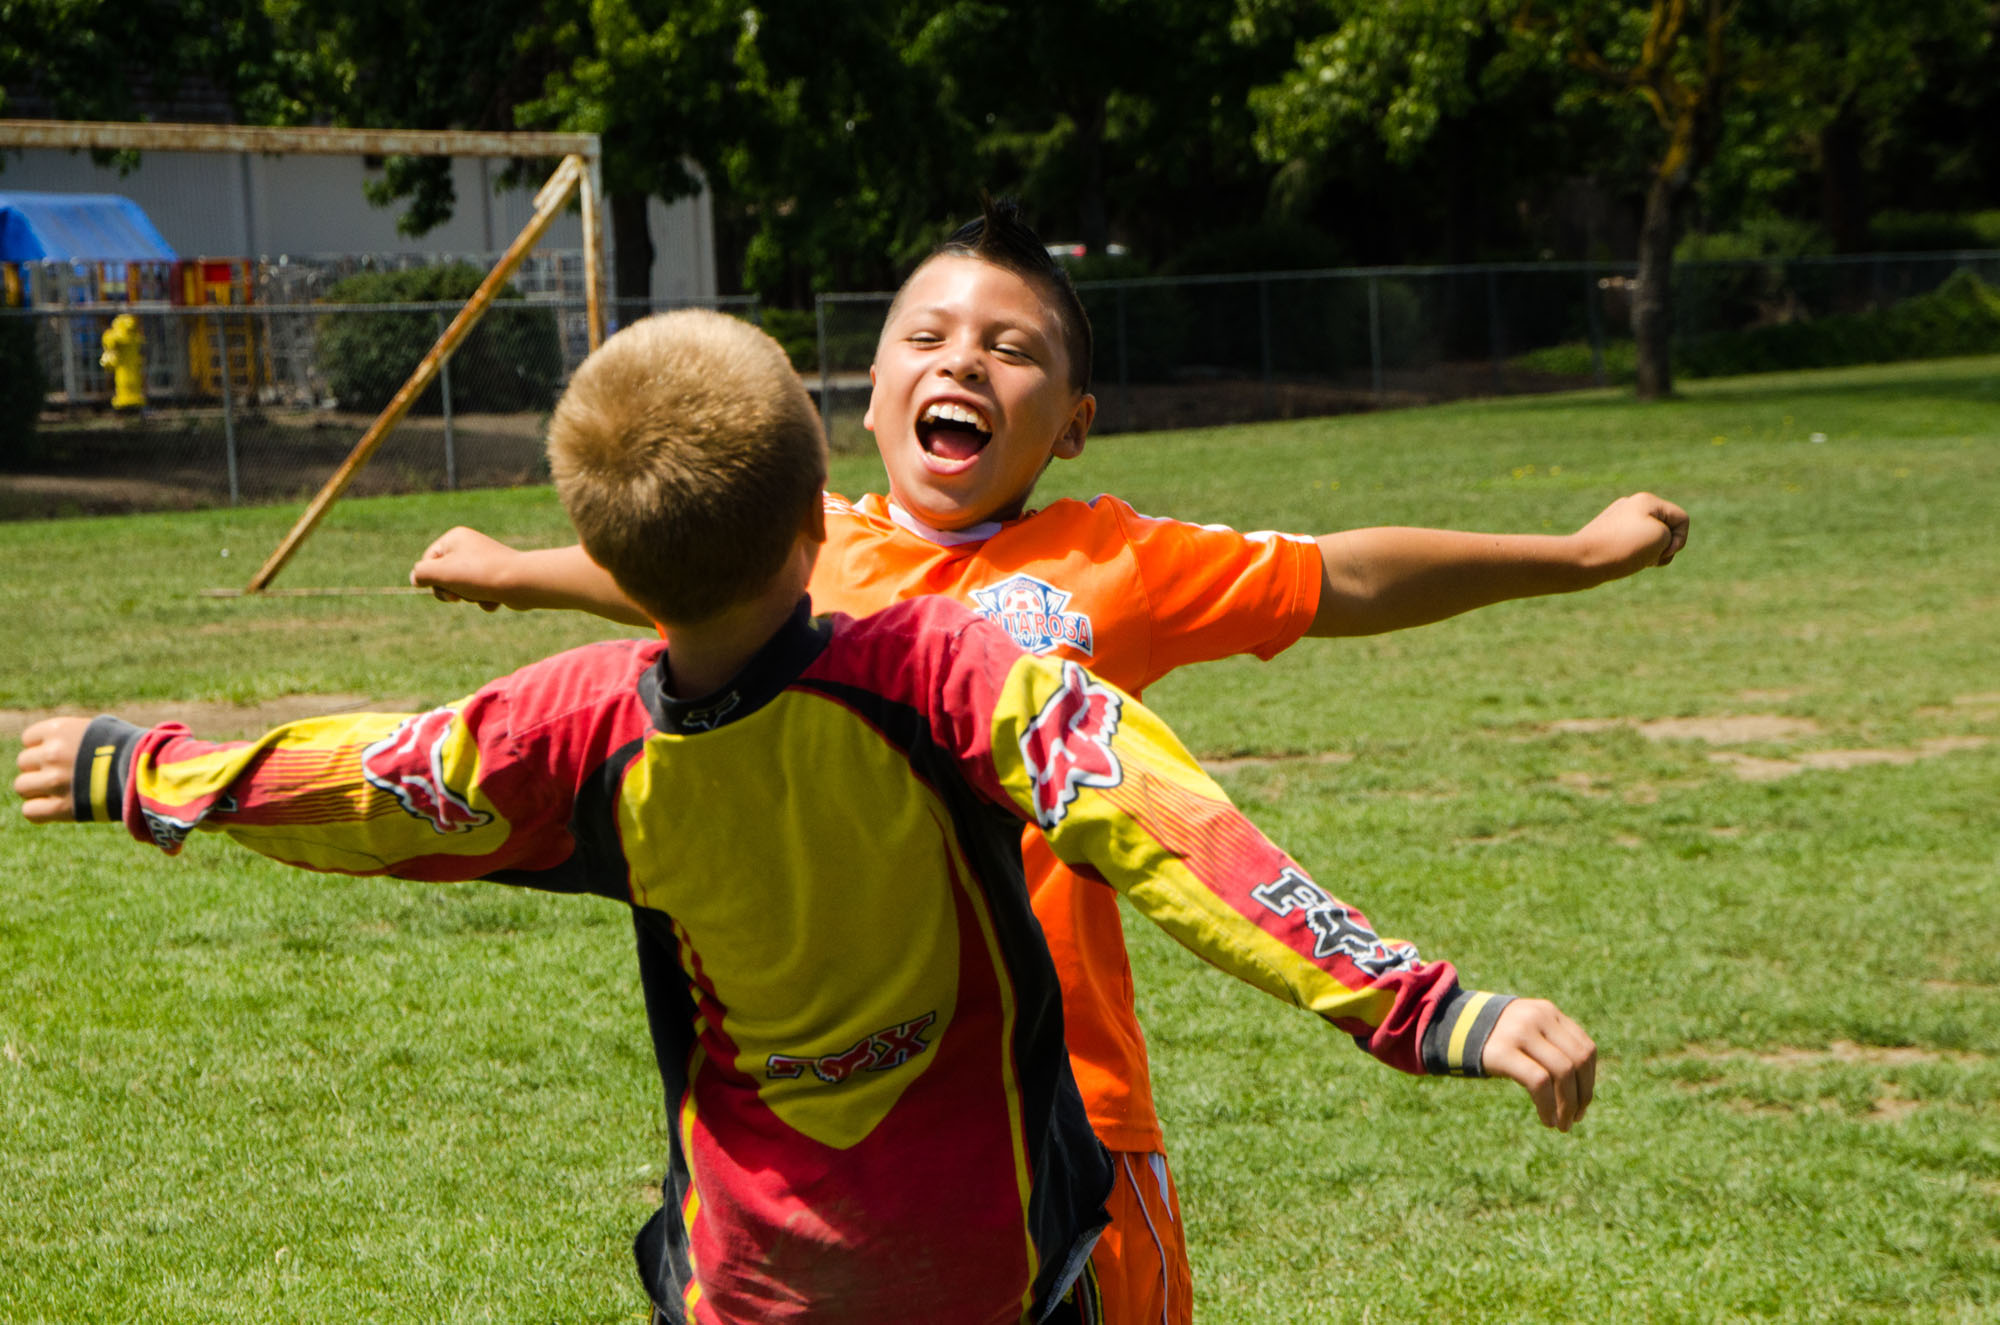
[1931,232]
[797,329]
[511,362]
[1961,316]
[21,388]
[1573,359]
[1749,281]
[1759,237]
[852,330]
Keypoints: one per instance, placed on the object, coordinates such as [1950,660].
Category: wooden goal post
[579,174]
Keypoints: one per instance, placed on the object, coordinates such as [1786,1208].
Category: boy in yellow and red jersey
[980,380]
[817,825]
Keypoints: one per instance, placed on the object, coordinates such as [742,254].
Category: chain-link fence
[262,400]
[1177,352]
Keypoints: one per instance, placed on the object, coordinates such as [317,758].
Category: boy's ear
[1069,442]
[815,526]
[868,415]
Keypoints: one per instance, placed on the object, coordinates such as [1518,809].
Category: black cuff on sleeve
[103,763]
[1455,1041]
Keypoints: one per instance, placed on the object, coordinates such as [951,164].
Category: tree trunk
[632,278]
[1095,216]
[1843,200]
[1652,293]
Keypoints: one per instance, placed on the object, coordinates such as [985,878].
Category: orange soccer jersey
[1132,598]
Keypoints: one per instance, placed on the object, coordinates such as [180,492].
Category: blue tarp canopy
[85,227]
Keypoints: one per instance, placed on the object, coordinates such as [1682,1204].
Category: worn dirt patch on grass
[1721,729]
[214,720]
[1838,1051]
[1729,729]
[1592,787]
[1751,768]
[1891,1107]
[1236,763]
[1888,1103]
[1586,725]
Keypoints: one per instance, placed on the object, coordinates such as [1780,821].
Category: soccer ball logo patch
[1031,612]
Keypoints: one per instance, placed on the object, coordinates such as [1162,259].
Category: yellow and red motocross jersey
[1131,597]
[857,1024]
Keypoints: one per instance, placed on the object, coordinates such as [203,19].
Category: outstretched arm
[464,565]
[448,794]
[1119,799]
[1377,580]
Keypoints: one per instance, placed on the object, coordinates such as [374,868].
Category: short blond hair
[689,457]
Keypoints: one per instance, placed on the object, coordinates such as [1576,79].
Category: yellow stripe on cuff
[1468,1013]
[100,781]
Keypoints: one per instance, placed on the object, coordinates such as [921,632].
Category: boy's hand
[1631,534]
[1534,1044]
[47,762]
[464,565]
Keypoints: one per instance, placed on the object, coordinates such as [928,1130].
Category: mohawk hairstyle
[1002,238]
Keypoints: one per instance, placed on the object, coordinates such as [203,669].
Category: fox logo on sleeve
[1068,745]
[408,764]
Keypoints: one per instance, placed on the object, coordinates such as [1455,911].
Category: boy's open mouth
[951,431]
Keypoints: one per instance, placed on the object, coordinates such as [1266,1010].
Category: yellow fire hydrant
[124,354]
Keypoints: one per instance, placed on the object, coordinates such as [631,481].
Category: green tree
[819,128]
[1408,68]
[1113,116]
[654,80]
[1846,76]
[1667,74]
[96,59]
[385,64]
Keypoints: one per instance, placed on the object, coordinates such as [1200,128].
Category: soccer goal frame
[578,175]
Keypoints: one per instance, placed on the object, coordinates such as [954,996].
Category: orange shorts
[1138,1274]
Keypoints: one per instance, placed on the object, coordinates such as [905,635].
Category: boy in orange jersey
[816,823]
[980,380]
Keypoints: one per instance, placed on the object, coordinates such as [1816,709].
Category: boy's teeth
[947,412]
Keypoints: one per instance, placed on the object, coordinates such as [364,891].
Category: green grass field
[231,1092]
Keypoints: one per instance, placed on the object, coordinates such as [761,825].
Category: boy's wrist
[103,764]
[1454,1042]
[1584,563]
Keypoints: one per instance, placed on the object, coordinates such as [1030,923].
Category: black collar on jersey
[787,653]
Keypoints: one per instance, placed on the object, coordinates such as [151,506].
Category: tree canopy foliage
[1660,83]
[839,140]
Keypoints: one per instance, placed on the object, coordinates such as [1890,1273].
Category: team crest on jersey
[890,1047]
[1068,745]
[1335,928]
[1031,611]
[408,763]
